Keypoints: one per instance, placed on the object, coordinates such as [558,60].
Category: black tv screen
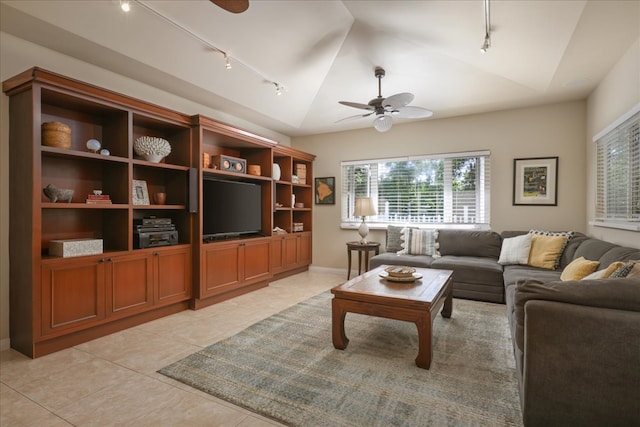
[230,208]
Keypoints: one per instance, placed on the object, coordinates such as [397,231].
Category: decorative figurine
[54,193]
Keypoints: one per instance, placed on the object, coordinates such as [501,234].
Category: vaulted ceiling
[323,52]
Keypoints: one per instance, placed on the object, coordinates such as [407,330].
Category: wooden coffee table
[416,302]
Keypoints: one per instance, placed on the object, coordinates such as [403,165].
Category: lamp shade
[383,123]
[364,207]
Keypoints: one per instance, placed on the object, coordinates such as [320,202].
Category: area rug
[285,368]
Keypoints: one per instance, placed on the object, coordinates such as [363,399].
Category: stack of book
[98,199]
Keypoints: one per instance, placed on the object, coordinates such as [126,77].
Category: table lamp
[364,208]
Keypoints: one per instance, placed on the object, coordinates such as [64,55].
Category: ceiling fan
[386,108]
[233,6]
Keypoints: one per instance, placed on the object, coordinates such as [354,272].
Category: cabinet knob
[101,260]
[156,253]
[109,259]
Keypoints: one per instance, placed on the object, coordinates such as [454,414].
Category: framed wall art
[535,181]
[325,190]
[140,193]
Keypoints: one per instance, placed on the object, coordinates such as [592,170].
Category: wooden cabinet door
[129,282]
[220,268]
[290,251]
[173,275]
[257,260]
[277,259]
[305,248]
[72,294]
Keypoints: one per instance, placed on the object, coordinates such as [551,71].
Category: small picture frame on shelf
[325,189]
[140,194]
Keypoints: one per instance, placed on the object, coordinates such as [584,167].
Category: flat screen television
[230,208]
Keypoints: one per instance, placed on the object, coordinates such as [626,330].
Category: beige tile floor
[112,381]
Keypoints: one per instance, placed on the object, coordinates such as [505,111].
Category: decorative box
[301,172]
[75,247]
[298,226]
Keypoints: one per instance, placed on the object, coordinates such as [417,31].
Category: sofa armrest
[580,365]
[621,294]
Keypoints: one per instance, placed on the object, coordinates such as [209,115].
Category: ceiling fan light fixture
[382,123]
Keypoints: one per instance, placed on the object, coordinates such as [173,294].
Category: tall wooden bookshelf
[57,302]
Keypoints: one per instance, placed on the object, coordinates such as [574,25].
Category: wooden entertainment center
[57,302]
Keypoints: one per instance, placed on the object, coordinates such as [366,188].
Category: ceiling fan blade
[356,105]
[357,116]
[398,100]
[233,6]
[412,113]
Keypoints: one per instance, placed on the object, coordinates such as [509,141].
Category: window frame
[605,216]
[482,195]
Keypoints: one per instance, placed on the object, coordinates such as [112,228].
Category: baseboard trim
[5,344]
[328,270]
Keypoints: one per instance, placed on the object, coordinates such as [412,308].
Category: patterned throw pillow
[635,272]
[420,242]
[624,270]
[566,234]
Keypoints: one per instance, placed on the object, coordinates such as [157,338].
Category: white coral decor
[152,148]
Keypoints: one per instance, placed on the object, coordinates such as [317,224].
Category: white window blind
[440,189]
[618,173]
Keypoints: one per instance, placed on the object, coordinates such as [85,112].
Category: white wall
[545,131]
[615,95]
[17,55]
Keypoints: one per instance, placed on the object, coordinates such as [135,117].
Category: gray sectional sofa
[576,343]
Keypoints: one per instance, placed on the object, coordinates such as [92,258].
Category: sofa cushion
[517,273]
[515,250]
[470,243]
[471,269]
[619,253]
[595,249]
[621,294]
[546,250]
[579,268]
[419,242]
[390,258]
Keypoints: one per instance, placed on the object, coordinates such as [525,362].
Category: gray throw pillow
[394,238]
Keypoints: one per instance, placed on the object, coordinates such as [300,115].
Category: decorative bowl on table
[151,148]
[400,273]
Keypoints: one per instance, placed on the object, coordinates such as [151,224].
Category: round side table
[362,248]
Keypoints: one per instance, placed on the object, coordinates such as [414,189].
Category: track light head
[486,44]
[487,28]
[125,6]
[278,88]
[227,62]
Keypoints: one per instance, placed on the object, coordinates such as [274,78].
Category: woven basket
[56,134]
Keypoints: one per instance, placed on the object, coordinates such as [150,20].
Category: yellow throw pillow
[545,250]
[612,267]
[579,268]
